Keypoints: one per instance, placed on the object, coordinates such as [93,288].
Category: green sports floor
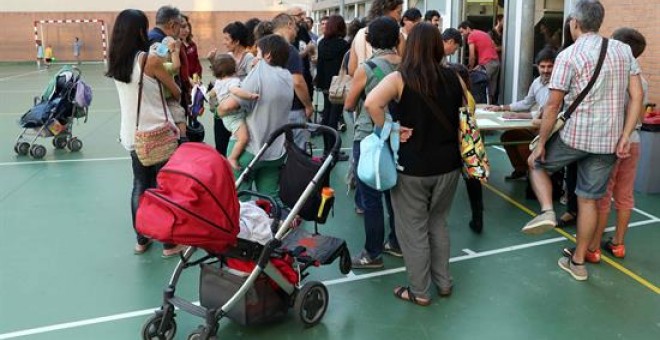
[67,269]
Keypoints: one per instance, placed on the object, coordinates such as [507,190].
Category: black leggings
[144,177]
[476,196]
[331,113]
[221,136]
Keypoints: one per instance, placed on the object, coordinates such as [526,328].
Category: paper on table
[513,119]
[486,123]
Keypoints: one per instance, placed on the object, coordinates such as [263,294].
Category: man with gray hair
[168,24]
[285,26]
[596,133]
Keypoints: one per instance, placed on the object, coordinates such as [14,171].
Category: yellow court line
[606,259]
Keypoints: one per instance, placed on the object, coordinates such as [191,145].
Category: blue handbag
[377,166]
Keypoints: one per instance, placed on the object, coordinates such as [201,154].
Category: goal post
[39,34]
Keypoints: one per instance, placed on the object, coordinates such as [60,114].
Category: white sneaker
[541,223]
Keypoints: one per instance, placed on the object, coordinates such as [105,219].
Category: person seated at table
[536,97]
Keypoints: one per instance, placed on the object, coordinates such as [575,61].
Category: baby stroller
[249,282]
[65,98]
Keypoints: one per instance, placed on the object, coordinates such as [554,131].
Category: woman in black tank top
[429,96]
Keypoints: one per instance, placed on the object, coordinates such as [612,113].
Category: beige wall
[18,36]
[643,16]
[147,5]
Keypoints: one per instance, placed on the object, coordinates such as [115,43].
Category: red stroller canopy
[195,202]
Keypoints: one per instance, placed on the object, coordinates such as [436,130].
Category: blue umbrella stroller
[65,98]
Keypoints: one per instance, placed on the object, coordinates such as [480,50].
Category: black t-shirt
[295,66]
[433,147]
[303,36]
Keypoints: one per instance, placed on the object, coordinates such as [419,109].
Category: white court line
[93,160]
[634,209]
[348,278]
[20,75]
[66,161]
[469,252]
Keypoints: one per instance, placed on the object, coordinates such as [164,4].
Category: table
[489,120]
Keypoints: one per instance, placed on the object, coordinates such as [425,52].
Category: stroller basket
[262,304]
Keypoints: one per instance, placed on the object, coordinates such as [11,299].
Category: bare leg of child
[242,137]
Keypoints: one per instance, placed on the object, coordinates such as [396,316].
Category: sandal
[172,252]
[567,219]
[140,249]
[398,292]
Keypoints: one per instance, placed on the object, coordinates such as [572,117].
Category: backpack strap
[378,73]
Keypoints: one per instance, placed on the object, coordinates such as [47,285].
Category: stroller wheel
[37,151]
[59,142]
[199,334]
[150,328]
[311,302]
[22,148]
[74,144]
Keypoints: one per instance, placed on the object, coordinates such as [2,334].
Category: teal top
[364,126]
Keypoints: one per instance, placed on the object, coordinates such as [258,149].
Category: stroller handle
[288,129]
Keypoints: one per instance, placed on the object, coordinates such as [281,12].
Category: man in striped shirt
[597,132]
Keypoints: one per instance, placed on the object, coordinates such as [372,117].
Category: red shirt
[193,59]
[483,46]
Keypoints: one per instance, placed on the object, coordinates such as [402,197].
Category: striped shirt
[596,124]
[536,97]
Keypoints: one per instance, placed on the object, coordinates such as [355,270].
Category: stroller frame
[310,300]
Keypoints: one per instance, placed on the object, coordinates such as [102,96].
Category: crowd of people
[400,69]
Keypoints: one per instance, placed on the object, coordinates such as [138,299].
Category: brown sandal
[398,292]
[140,249]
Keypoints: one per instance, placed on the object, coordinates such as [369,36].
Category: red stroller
[196,204]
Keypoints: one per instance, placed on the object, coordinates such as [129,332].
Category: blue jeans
[371,200]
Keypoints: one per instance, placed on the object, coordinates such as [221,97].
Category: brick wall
[645,17]
[18,33]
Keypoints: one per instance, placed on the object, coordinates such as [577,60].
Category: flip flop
[140,249]
[172,252]
[398,292]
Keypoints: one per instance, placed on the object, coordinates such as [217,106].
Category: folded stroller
[65,98]
[250,282]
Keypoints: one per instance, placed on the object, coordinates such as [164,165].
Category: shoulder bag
[157,145]
[377,166]
[564,116]
[475,162]
[339,87]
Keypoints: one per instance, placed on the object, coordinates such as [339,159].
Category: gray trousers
[493,70]
[300,136]
[422,205]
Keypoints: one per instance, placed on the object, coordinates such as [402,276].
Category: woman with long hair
[127,55]
[331,52]
[429,95]
[190,48]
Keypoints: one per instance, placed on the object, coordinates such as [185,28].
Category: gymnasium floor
[68,270]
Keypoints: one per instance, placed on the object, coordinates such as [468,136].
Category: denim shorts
[593,169]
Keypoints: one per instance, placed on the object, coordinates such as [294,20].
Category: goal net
[61,35]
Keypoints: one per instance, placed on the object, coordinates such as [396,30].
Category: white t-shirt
[151,110]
